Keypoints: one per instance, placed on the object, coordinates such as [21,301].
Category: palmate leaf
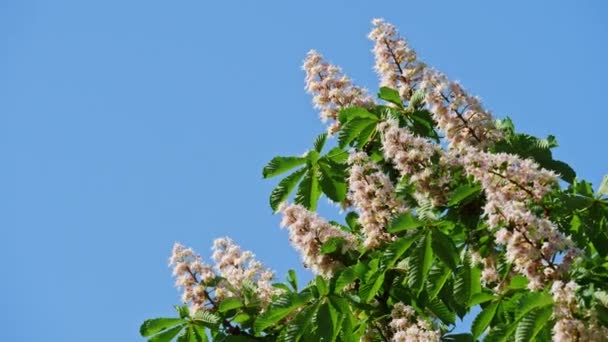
[279,165]
[284,188]
[309,191]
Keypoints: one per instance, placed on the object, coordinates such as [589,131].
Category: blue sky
[128,125]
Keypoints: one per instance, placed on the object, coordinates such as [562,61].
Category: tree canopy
[446,209]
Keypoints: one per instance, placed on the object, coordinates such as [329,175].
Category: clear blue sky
[128,125]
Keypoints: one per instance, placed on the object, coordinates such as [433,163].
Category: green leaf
[404,221]
[206,318]
[350,113]
[200,333]
[182,311]
[292,279]
[279,165]
[420,263]
[480,297]
[320,142]
[438,275]
[531,324]
[390,95]
[332,245]
[531,301]
[327,319]
[462,283]
[321,286]
[331,183]
[396,249]
[156,325]
[309,192]
[368,290]
[167,335]
[279,309]
[518,282]
[464,192]
[284,188]
[352,129]
[345,278]
[337,155]
[300,323]
[603,189]
[483,319]
[445,249]
[230,304]
[445,314]
[463,337]
[352,220]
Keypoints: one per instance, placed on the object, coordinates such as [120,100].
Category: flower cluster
[239,270]
[511,184]
[373,194]
[308,232]
[396,62]
[331,89]
[407,328]
[235,270]
[460,116]
[412,157]
[191,275]
[567,327]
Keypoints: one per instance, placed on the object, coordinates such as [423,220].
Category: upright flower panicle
[567,327]
[237,268]
[240,269]
[511,184]
[308,232]
[395,61]
[460,116]
[413,157]
[373,194]
[331,89]
[407,328]
[191,275]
